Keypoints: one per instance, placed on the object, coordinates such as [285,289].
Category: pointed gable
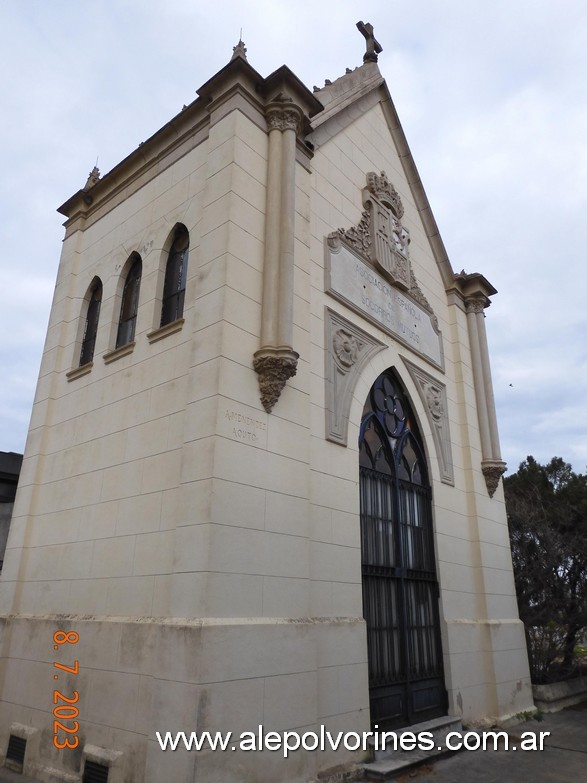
[361,92]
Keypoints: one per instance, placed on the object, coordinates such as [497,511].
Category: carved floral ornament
[346,347]
[283,119]
[282,114]
[433,397]
[476,304]
[358,237]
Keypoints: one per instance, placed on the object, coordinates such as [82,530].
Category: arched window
[130,303]
[175,277]
[91,326]
[400,588]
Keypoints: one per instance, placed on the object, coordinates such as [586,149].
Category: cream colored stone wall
[161,489]
[110,441]
[483,641]
[207,552]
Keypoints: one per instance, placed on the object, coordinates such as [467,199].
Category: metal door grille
[400,589]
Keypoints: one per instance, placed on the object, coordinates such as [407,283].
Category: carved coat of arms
[381,238]
[390,239]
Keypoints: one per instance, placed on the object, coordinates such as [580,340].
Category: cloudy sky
[493,100]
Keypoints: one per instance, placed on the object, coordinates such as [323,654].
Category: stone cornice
[346,91]
[472,291]
[237,71]
[286,82]
[188,129]
[172,141]
[237,96]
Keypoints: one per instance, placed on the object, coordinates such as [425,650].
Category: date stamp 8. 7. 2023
[65,712]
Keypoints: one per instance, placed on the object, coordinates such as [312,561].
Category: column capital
[476,303]
[282,114]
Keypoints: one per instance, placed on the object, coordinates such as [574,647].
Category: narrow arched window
[91,326]
[175,277]
[130,303]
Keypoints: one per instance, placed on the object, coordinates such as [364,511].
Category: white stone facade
[206,551]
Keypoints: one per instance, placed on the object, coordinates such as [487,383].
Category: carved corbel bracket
[348,349]
[492,470]
[274,366]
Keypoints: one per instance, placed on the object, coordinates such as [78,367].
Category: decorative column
[276,361]
[492,464]
[475,306]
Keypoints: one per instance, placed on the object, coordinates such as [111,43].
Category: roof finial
[373,46]
[93,177]
[240,50]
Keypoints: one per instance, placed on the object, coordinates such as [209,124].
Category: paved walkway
[564,759]
[6,776]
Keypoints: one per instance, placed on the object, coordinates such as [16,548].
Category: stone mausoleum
[261,484]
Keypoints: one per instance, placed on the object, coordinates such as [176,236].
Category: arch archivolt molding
[348,350]
[350,354]
[434,401]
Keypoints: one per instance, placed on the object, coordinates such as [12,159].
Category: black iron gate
[400,589]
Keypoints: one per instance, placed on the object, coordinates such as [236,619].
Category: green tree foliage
[547,518]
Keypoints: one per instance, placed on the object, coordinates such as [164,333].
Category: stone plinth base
[136,677]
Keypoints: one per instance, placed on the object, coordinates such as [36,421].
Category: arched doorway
[400,588]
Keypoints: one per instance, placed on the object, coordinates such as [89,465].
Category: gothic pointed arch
[400,587]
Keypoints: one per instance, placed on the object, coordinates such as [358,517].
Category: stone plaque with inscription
[358,285]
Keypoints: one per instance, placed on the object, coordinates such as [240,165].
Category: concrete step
[409,746]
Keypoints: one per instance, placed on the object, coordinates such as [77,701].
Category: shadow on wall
[10,464]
